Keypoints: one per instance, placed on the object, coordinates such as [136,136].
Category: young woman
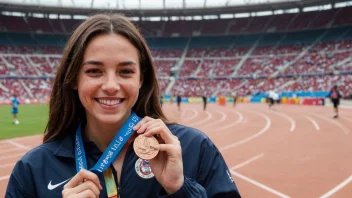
[104,80]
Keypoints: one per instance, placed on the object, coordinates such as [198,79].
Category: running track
[288,151]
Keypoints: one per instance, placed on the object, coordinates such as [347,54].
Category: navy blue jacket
[41,170]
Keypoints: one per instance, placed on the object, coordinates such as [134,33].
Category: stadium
[221,49]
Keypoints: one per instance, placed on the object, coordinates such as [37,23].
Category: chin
[110,119]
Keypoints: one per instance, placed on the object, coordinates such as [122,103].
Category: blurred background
[296,48]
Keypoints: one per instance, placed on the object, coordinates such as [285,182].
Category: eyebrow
[98,63]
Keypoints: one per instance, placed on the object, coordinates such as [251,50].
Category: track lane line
[223,118]
[260,185]
[267,126]
[4,177]
[316,125]
[344,129]
[337,188]
[239,120]
[209,116]
[11,156]
[290,119]
[248,161]
[18,144]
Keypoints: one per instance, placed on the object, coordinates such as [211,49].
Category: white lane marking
[209,116]
[4,177]
[223,117]
[18,145]
[239,120]
[7,165]
[344,129]
[192,117]
[267,126]
[247,161]
[348,119]
[316,125]
[184,113]
[11,156]
[290,119]
[6,145]
[22,138]
[337,188]
[10,150]
[260,185]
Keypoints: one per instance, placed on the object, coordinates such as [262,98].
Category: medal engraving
[144,147]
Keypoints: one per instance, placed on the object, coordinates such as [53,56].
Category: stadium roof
[143,4]
[145,8]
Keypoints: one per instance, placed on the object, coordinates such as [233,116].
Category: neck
[102,133]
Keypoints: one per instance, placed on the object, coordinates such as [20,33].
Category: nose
[111,84]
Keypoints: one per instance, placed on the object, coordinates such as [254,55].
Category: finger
[141,123]
[153,125]
[85,186]
[144,127]
[87,194]
[164,133]
[83,175]
[172,150]
[150,123]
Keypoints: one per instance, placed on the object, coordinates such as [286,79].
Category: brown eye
[93,71]
[127,71]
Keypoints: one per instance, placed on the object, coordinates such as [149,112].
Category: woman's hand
[84,184]
[167,166]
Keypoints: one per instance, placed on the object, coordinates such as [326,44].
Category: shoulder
[39,154]
[47,153]
[39,159]
[190,137]
[38,167]
[180,131]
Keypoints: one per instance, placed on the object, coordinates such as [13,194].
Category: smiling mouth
[110,102]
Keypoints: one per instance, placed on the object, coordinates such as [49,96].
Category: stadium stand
[299,51]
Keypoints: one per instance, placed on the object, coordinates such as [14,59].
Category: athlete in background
[204,103]
[335,97]
[15,104]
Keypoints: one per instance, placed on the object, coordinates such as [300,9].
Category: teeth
[109,102]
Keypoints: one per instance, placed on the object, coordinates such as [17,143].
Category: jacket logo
[52,187]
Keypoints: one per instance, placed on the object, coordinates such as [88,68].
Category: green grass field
[33,119]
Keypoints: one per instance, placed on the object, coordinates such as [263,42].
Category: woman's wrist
[174,187]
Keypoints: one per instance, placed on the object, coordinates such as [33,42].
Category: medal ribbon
[111,153]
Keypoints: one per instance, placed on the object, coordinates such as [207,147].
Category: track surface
[287,151]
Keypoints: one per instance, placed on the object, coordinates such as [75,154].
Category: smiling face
[109,79]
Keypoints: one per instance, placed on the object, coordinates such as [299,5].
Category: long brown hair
[65,108]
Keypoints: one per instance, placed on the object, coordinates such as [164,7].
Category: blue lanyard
[113,150]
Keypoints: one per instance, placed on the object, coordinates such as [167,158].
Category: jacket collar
[66,147]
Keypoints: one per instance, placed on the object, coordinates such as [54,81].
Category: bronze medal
[144,147]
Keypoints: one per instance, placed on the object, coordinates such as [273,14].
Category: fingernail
[134,128]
